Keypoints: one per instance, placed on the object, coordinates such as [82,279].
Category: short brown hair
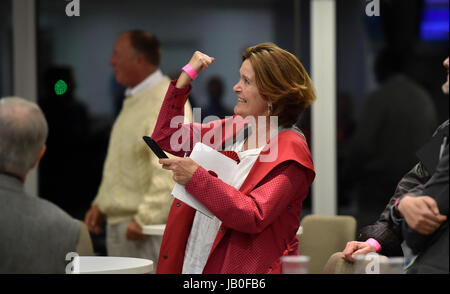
[146,44]
[281,80]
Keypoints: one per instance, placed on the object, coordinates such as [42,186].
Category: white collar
[148,82]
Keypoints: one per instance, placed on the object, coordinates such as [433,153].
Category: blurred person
[256,216]
[396,120]
[68,122]
[345,118]
[35,234]
[134,190]
[418,211]
[345,129]
[215,105]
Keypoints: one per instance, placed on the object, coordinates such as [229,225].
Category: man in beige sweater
[135,191]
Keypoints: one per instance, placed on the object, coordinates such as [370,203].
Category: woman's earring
[269,109]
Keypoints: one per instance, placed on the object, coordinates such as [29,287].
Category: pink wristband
[374,243]
[190,71]
[397,202]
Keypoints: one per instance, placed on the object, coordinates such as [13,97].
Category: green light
[60,87]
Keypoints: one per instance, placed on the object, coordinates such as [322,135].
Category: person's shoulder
[293,145]
[294,136]
[47,209]
[442,127]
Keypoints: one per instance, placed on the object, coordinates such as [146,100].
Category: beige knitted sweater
[134,185]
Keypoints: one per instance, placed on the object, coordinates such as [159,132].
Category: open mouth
[242,100]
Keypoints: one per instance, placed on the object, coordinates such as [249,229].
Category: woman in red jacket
[257,215]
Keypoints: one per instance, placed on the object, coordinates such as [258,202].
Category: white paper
[209,159]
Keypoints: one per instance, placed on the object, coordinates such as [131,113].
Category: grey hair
[23,132]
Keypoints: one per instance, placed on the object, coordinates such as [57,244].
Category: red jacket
[259,221]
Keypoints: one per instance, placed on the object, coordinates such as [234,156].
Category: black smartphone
[155,147]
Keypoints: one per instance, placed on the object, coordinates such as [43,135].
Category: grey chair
[324,235]
[337,265]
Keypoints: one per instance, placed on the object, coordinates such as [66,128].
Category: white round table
[114,265]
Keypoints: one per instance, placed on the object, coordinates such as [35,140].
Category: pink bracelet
[190,71]
[374,243]
[397,202]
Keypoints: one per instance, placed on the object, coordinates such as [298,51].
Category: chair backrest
[337,265]
[324,235]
